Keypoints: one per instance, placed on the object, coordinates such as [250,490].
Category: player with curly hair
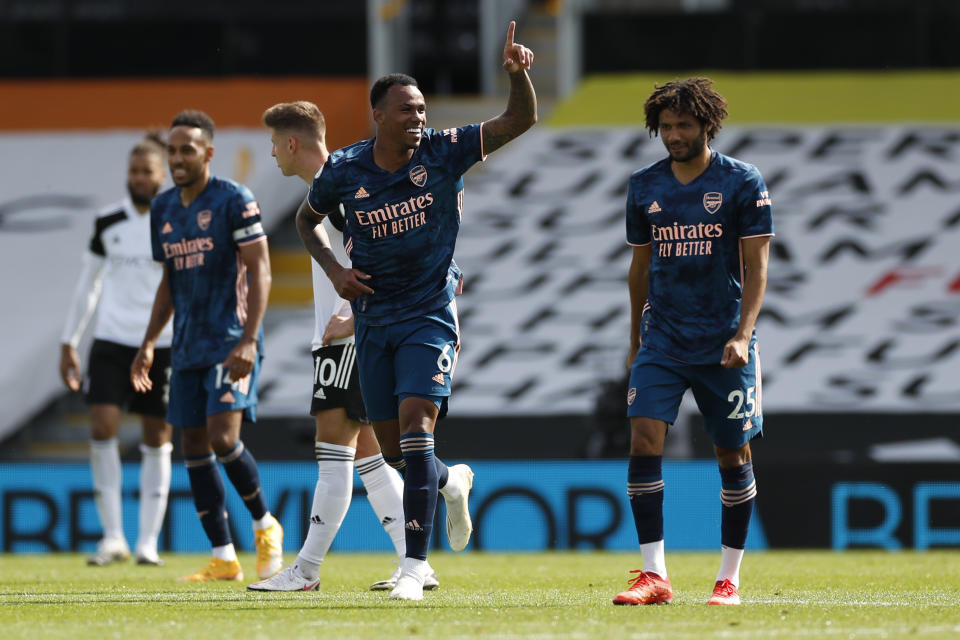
[700,224]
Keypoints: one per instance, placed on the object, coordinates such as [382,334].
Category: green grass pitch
[863,594]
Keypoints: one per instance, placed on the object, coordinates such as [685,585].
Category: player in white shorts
[344,437]
[118,280]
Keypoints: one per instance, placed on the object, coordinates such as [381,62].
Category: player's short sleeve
[638,227]
[322,196]
[244,214]
[459,148]
[756,213]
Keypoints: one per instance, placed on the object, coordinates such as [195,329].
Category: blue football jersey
[696,265]
[208,280]
[401,227]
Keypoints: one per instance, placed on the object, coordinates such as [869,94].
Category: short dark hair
[153,142]
[382,85]
[296,116]
[195,118]
[694,96]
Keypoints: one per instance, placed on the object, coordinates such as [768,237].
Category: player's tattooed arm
[315,240]
[521,111]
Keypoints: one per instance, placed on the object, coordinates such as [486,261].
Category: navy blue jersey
[208,280]
[401,227]
[696,265]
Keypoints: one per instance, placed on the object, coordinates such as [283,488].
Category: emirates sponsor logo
[418,175]
[204,218]
[712,201]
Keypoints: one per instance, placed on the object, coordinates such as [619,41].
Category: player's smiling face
[682,134]
[188,152]
[402,116]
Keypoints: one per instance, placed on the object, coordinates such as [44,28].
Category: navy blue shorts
[729,399]
[198,393]
[414,357]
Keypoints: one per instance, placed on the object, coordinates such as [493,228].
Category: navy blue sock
[419,492]
[397,463]
[241,468]
[442,472]
[209,498]
[738,492]
[645,488]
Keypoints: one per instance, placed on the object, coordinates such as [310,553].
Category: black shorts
[108,379]
[336,381]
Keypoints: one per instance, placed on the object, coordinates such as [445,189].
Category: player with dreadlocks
[700,225]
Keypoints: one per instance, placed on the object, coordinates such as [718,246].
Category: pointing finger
[510,30]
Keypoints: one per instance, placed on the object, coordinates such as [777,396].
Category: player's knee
[195,441]
[647,436]
[222,443]
[731,458]
[417,415]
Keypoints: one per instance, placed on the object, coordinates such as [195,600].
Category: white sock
[226,553]
[654,559]
[105,466]
[385,492]
[452,490]
[416,567]
[154,489]
[331,499]
[730,559]
[265,522]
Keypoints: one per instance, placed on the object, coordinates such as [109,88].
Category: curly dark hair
[695,96]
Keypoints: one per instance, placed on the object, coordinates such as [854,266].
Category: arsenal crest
[418,175]
[203,219]
[712,201]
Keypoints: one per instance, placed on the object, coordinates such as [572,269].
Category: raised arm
[521,112]
[317,243]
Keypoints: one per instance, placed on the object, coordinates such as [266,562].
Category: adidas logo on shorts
[439,379]
[320,395]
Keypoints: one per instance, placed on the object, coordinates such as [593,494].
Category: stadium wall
[530,506]
[99,104]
